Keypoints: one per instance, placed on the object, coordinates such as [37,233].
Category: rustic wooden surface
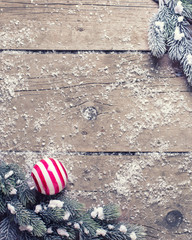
[120,120]
[75,25]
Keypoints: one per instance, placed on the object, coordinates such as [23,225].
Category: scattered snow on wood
[138,108]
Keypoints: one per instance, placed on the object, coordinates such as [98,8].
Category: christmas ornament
[50,176]
[27,215]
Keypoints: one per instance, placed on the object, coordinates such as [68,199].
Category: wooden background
[78,83]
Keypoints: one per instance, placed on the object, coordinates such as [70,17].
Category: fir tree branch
[26,195]
[27,219]
[3,207]
[88,225]
[28,215]
[187,8]
[53,237]
[27,236]
[108,213]
[187,66]
[54,215]
[169,29]
[8,230]
[75,208]
[156,37]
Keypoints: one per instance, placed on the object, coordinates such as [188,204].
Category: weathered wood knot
[174,218]
[90,113]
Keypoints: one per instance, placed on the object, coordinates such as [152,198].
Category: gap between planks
[76,153]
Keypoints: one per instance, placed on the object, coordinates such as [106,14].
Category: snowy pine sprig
[169,31]
[25,214]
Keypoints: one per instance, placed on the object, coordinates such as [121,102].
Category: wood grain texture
[75,25]
[141,107]
[147,186]
[46,100]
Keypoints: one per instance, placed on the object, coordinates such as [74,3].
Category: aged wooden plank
[92,102]
[146,186]
[75,25]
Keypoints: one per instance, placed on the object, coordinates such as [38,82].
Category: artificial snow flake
[49,230]
[86,231]
[13,191]
[38,208]
[67,215]
[179,8]
[133,236]
[55,203]
[94,213]
[110,226]
[22,228]
[101,232]
[160,25]
[189,59]
[11,208]
[180,19]
[19,181]
[9,174]
[28,228]
[62,232]
[123,229]
[98,212]
[178,35]
[76,225]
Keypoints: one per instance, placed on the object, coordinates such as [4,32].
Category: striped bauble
[50,176]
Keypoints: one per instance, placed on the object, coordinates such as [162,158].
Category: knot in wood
[90,113]
[174,218]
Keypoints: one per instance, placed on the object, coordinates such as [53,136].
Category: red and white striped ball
[50,176]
